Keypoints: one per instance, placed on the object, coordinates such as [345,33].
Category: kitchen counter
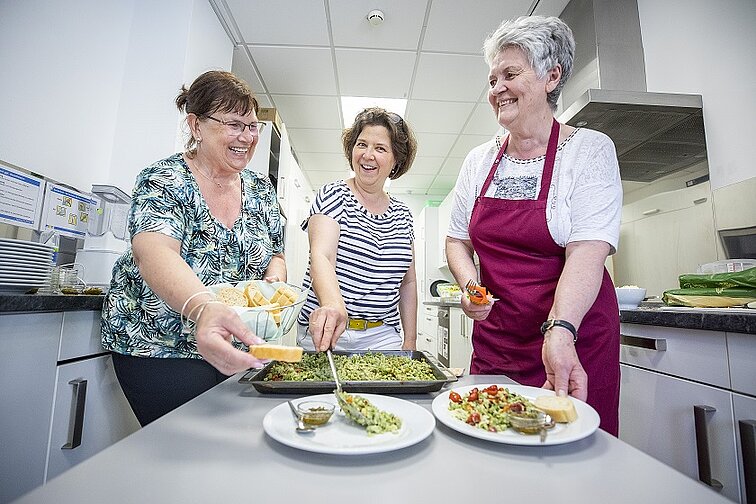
[734,320]
[46,303]
[214,449]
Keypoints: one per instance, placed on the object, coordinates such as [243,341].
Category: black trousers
[156,386]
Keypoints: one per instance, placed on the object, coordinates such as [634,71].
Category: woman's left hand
[564,373]
[214,330]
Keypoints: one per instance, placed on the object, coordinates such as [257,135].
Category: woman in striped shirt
[362,260]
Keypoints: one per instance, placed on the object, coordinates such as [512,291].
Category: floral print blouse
[167,200]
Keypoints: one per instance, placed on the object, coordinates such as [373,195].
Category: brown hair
[212,92]
[403,143]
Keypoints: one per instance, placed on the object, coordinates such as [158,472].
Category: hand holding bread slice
[561,409]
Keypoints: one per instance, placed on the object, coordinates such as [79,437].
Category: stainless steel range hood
[655,134]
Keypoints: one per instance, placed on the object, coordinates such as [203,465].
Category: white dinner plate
[24,244]
[343,437]
[23,267]
[586,424]
[29,255]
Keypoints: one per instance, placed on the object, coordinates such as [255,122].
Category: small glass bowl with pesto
[315,413]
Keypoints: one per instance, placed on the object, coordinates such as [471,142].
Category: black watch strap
[561,323]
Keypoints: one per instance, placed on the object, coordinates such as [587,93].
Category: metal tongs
[348,408]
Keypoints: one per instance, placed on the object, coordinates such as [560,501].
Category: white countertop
[213,449]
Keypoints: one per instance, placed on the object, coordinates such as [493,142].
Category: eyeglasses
[238,127]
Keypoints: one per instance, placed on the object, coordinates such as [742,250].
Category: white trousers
[383,337]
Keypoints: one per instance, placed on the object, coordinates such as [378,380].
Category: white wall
[705,47]
[93,82]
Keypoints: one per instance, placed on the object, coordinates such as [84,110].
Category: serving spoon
[341,397]
[301,427]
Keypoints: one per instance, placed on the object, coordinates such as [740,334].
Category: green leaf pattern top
[167,200]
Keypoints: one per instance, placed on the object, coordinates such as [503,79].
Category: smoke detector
[375,17]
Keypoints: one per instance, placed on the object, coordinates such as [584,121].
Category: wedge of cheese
[284,296]
[254,296]
[560,409]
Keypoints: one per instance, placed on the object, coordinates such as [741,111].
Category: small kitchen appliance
[106,236]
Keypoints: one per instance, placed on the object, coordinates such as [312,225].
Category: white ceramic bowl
[629,297]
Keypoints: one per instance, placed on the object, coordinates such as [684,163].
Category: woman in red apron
[556,321]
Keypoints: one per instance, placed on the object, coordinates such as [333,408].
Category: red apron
[520,264]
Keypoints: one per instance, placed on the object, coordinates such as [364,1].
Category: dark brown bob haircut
[403,143]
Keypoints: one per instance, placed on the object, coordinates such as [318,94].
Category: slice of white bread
[560,409]
[254,296]
[277,352]
[232,296]
[275,312]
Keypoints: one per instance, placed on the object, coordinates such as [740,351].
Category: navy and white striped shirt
[373,255]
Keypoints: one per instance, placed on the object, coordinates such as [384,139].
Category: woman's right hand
[214,329]
[327,324]
[475,311]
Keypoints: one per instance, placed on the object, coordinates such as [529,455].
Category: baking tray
[256,377]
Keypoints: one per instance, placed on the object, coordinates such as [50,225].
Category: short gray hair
[546,41]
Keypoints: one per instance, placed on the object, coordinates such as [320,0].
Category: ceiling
[301,56]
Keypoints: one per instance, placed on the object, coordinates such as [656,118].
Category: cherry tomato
[492,390]
[516,407]
[454,397]
[474,418]
[473,395]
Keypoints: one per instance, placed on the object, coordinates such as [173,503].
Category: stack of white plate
[24,265]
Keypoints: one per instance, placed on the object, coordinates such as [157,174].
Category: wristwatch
[561,323]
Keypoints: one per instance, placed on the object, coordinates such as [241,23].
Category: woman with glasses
[541,208]
[197,218]
[362,267]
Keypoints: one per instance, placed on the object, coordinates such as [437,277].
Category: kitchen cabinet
[677,402]
[28,355]
[444,215]
[427,329]
[61,400]
[90,411]
[460,339]
[664,235]
[295,197]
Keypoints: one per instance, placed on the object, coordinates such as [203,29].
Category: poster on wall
[67,211]
[21,197]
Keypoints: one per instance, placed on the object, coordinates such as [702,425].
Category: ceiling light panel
[449,77]
[316,140]
[296,70]
[365,72]
[294,22]
[438,117]
[454,26]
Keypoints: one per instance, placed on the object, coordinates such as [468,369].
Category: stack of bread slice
[251,297]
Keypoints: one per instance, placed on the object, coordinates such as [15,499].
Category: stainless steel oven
[443,335]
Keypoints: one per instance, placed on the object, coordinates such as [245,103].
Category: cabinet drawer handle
[658,344]
[748,450]
[76,420]
[700,414]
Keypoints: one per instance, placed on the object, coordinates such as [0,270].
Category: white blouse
[585,195]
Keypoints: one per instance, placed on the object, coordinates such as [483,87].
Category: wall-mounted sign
[67,211]
[20,198]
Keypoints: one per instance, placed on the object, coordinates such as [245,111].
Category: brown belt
[362,325]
